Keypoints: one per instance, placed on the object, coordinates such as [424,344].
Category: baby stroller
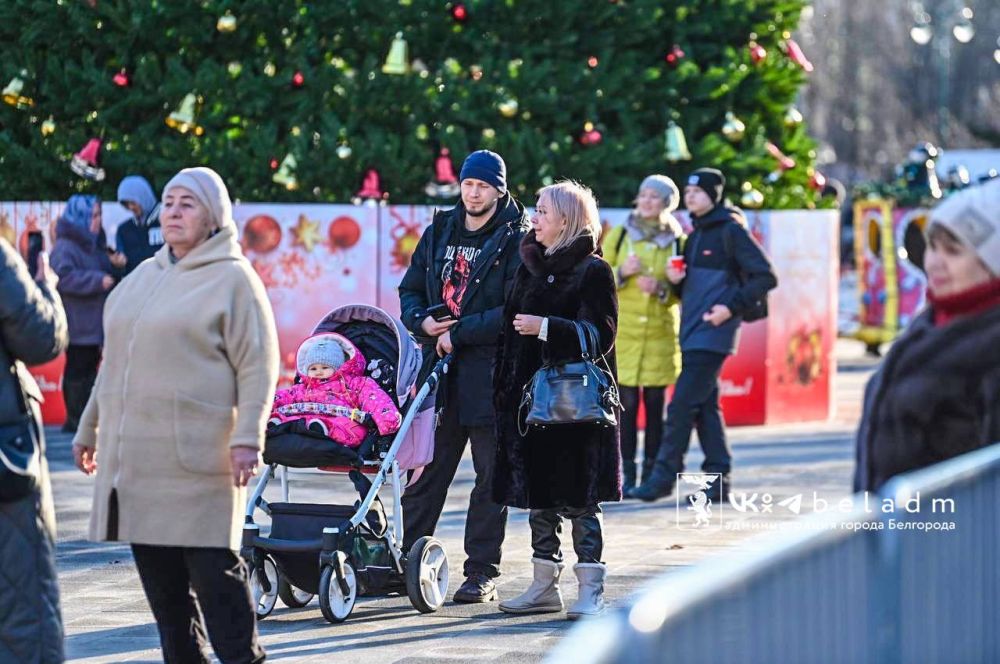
[342,551]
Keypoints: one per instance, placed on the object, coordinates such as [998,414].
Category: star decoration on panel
[306,233]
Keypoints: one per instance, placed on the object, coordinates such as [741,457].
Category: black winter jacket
[32,330]
[474,337]
[935,396]
[735,278]
[566,466]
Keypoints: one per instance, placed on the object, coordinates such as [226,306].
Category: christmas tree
[294,100]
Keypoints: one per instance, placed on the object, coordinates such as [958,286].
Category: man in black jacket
[452,299]
[726,275]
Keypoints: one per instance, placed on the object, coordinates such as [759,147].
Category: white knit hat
[325,349]
[209,189]
[973,216]
[665,188]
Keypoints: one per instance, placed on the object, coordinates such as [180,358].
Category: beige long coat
[190,364]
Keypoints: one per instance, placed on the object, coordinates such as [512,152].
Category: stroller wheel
[293,597]
[427,575]
[264,600]
[335,601]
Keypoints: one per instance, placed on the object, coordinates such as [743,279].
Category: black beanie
[711,181]
[486,166]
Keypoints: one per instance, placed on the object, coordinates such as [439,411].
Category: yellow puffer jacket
[648,325]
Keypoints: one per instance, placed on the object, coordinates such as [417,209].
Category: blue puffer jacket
[714,277]
[81,263]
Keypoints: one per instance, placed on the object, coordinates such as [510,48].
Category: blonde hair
[576,204]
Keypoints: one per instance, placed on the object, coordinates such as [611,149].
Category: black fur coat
[934,397]
[572,465]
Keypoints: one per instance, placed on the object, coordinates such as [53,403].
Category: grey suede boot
[590,601]
[543,595]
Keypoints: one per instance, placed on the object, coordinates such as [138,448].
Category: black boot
[477,589]
[628,477]
[718,492]
[658,485]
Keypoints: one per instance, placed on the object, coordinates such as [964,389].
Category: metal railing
[865,586]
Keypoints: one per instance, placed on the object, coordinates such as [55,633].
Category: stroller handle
[440,368]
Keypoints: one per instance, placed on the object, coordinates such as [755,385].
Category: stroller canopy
[379,336]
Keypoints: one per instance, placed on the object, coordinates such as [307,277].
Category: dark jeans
[652,399]
[181,580]
[422,503]
[588,533]
[78,380]
[696,400]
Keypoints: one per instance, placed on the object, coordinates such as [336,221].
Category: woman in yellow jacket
[649,356]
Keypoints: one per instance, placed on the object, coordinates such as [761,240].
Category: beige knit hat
[209,189]
[973,216]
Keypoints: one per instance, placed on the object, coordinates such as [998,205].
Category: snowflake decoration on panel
[306,233]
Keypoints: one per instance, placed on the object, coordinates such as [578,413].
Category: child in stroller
[339,550]
[334,394]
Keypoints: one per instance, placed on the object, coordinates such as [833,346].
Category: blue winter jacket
[735,273]
[81,261]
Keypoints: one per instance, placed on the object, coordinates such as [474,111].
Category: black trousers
[423,502]
[78,379]
[190,589]
[652,399]
[588,533]
[696,400]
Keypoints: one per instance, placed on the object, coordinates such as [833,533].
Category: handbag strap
[585,351]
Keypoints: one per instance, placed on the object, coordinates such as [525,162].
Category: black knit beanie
[711,181]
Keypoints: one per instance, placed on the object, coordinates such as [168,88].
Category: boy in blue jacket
[726,275]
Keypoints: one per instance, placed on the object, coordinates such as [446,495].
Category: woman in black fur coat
[937,393]
[565,471]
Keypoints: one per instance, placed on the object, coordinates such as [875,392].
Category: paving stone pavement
[107,618]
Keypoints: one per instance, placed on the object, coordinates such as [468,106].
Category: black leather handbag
[574,392]
[19,451]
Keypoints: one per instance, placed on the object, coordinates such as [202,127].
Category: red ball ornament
[590,135]
[273,164]
[344,233]
[674,56]
[592,61]
[298,80]
[459,13]
[757,53]
[262,234]
[121,79]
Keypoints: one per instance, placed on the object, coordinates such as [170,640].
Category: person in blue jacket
[140,237]
[725,276]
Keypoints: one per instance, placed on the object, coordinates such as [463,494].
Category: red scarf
[972,301]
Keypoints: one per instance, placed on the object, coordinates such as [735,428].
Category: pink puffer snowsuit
[331,401]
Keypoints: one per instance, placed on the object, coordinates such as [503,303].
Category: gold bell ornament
[183,118]
[398,61]
[226,23]
[12,93]
[285,175]
[676,144]
[733,128]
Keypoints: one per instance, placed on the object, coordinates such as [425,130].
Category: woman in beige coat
[175,425]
